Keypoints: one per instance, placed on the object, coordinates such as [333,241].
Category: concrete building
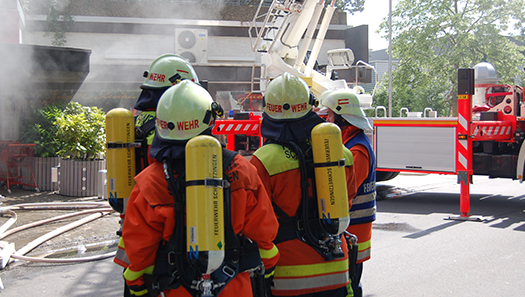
[379,59]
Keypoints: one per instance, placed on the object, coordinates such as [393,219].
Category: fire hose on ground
[8,253]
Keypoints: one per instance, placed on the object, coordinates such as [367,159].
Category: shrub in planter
[80,132]
[39,128]
[81,140]
[76,135]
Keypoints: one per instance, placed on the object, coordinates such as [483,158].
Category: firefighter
[154,230]
[343,107]
[307,266]
[165,71]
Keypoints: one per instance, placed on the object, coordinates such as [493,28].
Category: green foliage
[39,129]
[71,132]
[58,22]
[349,6]
[433,39]
[80,132]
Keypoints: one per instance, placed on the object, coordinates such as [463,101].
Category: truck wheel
[385,175]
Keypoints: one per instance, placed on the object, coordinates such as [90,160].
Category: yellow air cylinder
[330,178]
[120,157]
[204,203]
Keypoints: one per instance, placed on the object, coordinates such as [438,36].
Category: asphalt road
[415,250]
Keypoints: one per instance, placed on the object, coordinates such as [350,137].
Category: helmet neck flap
[149,98]
[296,131]
[170,149]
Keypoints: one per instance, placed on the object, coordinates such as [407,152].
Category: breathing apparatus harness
[305,224]
[172,268]
[141,136]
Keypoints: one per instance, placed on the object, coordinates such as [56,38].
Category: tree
[433,39]
[58,22]
[350,6]
[58,17]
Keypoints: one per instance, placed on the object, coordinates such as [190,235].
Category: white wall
[141,49]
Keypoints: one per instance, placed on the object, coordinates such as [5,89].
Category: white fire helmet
[287,97]
[345,103]
[185,110]
[167,70]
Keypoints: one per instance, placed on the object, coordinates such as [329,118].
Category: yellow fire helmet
[167,70]
[345,103]
[185,110]
[287,97]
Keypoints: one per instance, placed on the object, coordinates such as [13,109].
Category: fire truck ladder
[255,79]
[263,35]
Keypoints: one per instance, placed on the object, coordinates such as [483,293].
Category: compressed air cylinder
[330,178]
[204,204]
[120,157]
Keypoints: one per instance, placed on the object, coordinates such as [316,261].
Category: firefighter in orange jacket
[154,212]
[165,71]
[305,268]
[343,107]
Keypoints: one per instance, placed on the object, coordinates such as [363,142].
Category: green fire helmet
[167,70]
[345,103]
[185,110]
[287,97]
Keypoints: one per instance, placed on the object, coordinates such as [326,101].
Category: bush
[71,132]
[39,129]
[80,132]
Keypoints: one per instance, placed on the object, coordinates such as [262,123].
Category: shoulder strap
[287,225]
[141,134]
[306,218]
[227,158]
[302,213]
[176,246]
[232,242]
[143,130]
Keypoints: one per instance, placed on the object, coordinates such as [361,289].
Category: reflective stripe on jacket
[363,211]
[120,257]
[150,219]
[301,269]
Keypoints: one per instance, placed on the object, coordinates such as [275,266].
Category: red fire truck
[486,138]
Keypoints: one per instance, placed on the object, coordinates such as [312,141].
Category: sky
[375,11]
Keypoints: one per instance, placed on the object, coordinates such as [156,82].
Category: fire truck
[486,138]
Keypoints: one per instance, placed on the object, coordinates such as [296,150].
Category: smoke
[122,53]
[35,73]
[32,74]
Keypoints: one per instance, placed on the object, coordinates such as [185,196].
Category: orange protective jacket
[361,168]
[301,269]
[150,219]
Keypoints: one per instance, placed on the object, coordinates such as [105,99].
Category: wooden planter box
[79,178]
[42,173]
